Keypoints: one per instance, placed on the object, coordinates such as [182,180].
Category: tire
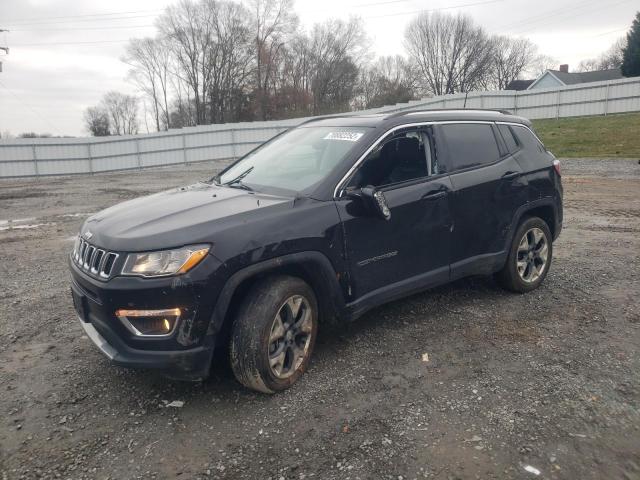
[528,261]
[273,334]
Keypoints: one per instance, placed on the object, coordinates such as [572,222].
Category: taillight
[556,165]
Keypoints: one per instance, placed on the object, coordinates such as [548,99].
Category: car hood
[181,216]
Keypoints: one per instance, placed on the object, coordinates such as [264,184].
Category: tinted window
[470,145]
[528,140]
[509,138]
[404,157]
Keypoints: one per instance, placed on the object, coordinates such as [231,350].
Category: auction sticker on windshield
[344,135]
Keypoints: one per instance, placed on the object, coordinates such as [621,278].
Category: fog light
[150,323]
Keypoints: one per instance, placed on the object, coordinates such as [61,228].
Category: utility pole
[6,49]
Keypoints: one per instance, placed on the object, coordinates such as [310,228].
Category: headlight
[164,262]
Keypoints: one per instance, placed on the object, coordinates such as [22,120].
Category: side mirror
[373,200]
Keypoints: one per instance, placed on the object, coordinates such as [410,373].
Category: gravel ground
[543,385]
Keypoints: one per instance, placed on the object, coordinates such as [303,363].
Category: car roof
[408,117]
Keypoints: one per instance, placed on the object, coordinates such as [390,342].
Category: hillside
[610,136]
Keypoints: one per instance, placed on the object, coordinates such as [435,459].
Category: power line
[22,20]
[35,112]
[609,32]
[433,9]
[59,22]
[81,28]
[69,43]
[546,15]
[566,15]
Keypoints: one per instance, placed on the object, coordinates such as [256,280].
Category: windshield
[295,160]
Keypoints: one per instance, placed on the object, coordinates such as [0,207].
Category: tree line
[217,61]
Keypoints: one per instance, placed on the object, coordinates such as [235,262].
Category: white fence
[65,156]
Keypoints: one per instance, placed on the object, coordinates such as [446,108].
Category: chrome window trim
[339,189]
[523,126]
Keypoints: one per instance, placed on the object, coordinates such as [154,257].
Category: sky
[65,54]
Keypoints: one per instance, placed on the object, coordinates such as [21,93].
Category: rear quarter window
[509,137]
[528,140]
[470,145]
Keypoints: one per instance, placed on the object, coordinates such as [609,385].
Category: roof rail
[406,112]
[329,117]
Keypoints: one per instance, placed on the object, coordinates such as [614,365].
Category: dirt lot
[513,385]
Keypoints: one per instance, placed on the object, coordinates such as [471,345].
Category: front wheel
[274,333]
[529,258]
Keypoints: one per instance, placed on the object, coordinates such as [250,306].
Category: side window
[509,137]
[403,157]
[528,140]
[470,145]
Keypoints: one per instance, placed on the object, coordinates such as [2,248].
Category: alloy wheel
[290,336]
[532,255]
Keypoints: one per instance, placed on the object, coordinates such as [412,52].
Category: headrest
[401,146]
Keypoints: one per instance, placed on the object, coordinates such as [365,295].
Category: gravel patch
[542,385]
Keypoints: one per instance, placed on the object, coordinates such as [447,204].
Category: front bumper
[186,354]
[188,365]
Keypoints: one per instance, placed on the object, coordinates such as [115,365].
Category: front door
[412,247]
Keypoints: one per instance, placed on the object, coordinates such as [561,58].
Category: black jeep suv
[321,223]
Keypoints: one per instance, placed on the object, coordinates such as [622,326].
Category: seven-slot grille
[93,260]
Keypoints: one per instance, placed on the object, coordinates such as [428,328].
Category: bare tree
[390,80]
[229,60]
[335,49]
[292,82]
[511,58]
[451,52]
[187,28]
[149,59]
[96,120]
[274,21]
[122,110]
[541,64]
[612,58]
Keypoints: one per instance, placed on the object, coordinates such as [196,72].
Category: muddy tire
[274,333]
[529,257]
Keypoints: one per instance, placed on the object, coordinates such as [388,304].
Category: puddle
[27,226]
[4,223]
[29,223]
[26,223]
[74,215]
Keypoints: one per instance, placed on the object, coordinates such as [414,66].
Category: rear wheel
[529,258]
[274,333]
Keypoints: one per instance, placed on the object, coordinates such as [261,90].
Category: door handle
[434,196]
[510,175]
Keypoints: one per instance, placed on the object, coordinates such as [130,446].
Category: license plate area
[79,304]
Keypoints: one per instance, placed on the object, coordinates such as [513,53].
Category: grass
[610,136]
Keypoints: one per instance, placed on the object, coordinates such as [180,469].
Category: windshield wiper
[238,180]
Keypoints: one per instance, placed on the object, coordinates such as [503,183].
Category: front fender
[316,265]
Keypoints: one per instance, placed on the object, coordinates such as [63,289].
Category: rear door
[487,186]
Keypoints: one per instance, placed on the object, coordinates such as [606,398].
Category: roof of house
[519,84]
[574,78]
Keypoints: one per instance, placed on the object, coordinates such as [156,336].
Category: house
[562,77]
[519,84]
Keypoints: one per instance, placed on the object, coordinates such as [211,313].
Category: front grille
[93,260]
